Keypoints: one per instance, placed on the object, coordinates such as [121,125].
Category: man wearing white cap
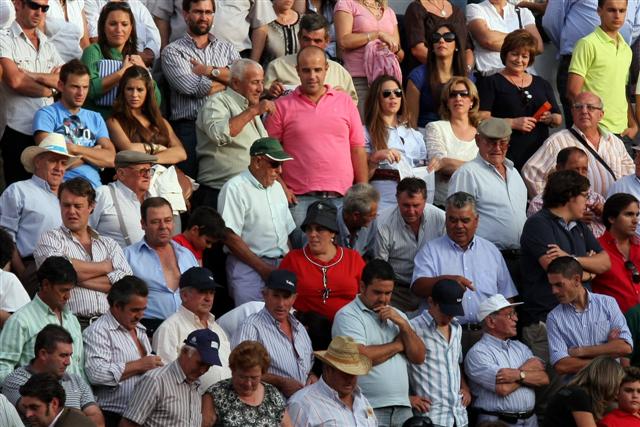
[31,207]
[503,372]
[336,398]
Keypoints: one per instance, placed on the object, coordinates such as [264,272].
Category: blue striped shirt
[567,328]
[482,364]
[438,378]
[108,348]
[289,358]
[481,263]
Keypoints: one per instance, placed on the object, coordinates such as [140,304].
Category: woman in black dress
[516,95]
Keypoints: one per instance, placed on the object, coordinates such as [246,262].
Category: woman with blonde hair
[451,139]
[583,401]
[388,138]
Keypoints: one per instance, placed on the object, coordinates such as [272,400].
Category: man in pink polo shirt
[320,127]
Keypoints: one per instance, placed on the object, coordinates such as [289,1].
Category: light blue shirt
[482,363]
[259,215]
[502,205]
[567,21]
[363,239]
[320,405]
[627,184]
[481,263]
[567,328]
[83,128]
[145,263]
[387,384]
[28,209]
[438,378]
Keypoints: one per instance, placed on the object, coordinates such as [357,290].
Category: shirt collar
[178,375]
[253,180]
[126,190]
[559,220]
[571,306]
[237,97]
[330,92]
[606,38]
[457,247]
[185,312]
[55,420]
[93,233]
[496,342]
[16,29]
[295,324]
[113,324]
[508,164]
[41,183]
[38,301]
[609,239]
[328,391]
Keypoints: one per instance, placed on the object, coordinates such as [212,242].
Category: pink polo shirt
[319,137]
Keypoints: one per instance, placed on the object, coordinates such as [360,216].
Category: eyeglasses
[502,143]
[590,107]
[35,6]
[143,173]
[462,93]
[387,93]
[272,163]
[635,275]
[512,315]
[448,37]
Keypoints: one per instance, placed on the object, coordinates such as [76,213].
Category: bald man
[318,126]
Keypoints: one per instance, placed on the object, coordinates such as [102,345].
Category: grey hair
[239,67]
[359,198]
[460,200]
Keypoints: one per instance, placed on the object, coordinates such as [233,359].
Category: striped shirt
[289,358]
[188,90]
[319,405]
[396,243]
[482,363]
[567,328]
[18,336]
[438,378]
[61,242]
[108,348]
[610,149]
[78,393]
[163,397]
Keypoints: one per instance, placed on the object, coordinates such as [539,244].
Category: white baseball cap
[493,304]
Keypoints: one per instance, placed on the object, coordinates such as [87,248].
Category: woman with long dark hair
[111,56]
[388,138]
[444,60]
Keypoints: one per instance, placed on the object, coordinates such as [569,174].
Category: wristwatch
[215,73]
[522,376]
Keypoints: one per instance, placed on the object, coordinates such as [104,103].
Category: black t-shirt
[562,404]
[539,231]
[507,101]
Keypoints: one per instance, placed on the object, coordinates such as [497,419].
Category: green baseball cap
[271,148]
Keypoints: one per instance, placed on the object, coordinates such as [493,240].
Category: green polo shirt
[604,65]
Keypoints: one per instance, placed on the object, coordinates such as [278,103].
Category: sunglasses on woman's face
[448,37]
[387,93]
[462,93]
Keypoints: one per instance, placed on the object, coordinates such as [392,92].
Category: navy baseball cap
[448,294]
[199,278]
[282,279]
[207,343]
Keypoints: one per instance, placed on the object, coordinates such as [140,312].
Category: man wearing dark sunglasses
[30,65]
[254,205]
[622,281]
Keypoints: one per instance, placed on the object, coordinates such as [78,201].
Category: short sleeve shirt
[566,401]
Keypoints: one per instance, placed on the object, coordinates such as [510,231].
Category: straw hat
[52,143]
[343,355]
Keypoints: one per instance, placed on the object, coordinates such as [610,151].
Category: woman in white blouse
[66,27]
[392,145]
[452,140]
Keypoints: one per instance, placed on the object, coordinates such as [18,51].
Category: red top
[343,280]
[617,281]
[619,418]
[181,240]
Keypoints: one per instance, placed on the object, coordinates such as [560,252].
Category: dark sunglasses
[456,93]
[35,6]
[272,163]
[387,93]
[635,275]
[448,37]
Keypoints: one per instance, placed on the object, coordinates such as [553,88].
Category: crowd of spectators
[319,212]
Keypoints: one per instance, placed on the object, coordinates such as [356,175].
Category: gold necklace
[373,6]
[443,12]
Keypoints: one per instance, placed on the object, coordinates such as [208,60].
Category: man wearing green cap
[254,205]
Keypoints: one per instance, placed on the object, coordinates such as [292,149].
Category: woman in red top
[328,275]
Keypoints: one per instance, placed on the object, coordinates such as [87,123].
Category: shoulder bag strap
[593,152]
[519,18]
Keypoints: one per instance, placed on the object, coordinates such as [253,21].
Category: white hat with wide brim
[52,143]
